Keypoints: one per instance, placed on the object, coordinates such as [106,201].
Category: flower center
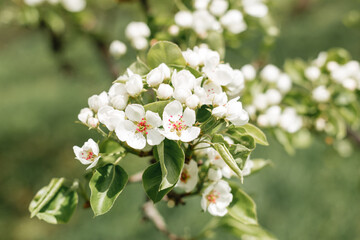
[88,155]
[142,127]
[177,125]
[184,176]
[212,196]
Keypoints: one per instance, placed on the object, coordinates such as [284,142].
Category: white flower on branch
[178,125]
[97,101]
[74,5]
[321,94]
[134,85]
[233,21]
[158,75]
[165,91]
[85,114]
[184,19]
[88,153]
[140,127]
[110,117]
[189,177]
[216,198]
[117,48]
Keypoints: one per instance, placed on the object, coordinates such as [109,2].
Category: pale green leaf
[228,158]
[165,52]
[156,107]
[242,208]
[106,185]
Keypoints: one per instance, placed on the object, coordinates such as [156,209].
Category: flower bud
[249,72]
[93,122]
[312,73]
[260,101]
[117,48]
[192,58]
[174,30]
[155,77]
[321,94]
[273,96]
[192,101]
[184,19]
[181,94]
[214,174]
[270,73]
[219,7]
[136,30]
[74,5]
[219,112]
[284,83]
[134,85]
[97,101]
[139,43]
[233,21]
[85,114]
[220,99]
[165,91]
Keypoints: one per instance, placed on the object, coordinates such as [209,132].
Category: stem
[353,135]
[153,214]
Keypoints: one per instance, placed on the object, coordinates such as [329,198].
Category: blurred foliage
[312,195]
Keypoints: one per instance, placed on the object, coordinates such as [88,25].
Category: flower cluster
[267,106]
[168,107]
[138,34]
[218,15]
[69,5]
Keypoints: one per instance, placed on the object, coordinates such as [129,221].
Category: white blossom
[290,121]
[312,73]
[178,125]
[184,19]
[249,72]
[33,2]
[183,79]
[189,177]
[284,83]
[158,75]
[270,73]
[140,127]
[255,8]
[235,113]
[233,21]
[88,153]
[85,114]
[273,96]
[134,85]
[260,101]
[201,4]
[137,30]
[165,91]
[74,5]
[191,57]
[216,198]
[174,30]
[203,22]
[110,117]
[117,48]
[192,101]
[218,7]
[321,94]
[118,96]
[214,174]
[97,101]
[139,43]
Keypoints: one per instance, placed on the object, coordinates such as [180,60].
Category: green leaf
[171,158]
[240,153]
[284,140]
[165,52]
[256,133]
[106,185]
[241,230]
[228,158]
[139,67]
[54,203]
[110,146]
[259,164]
[242,208]
[218,138]
[156,107]
[203,113]
[152,179]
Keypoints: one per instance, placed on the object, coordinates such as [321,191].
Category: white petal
[94,146]
[135,112]
[173,109]
[170,135]
[136,141]
[124,130]
[153,119]
[190,134]
[93,164]
[154,137]
[189,117]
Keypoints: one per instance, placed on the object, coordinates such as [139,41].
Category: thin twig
[353,135]
[153,214]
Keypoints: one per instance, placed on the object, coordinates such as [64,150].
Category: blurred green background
[312,195]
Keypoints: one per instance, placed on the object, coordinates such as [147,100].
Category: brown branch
[153,214]
[353,135]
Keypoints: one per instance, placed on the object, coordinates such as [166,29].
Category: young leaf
[240,153]
[228,158]
[242,208]
[165,52]
[284,140]
[249,230]
[138,67]
[152,179]
[259,164]
[171,158]
[156,107]
[256,133]
[54,203]
[106,185]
